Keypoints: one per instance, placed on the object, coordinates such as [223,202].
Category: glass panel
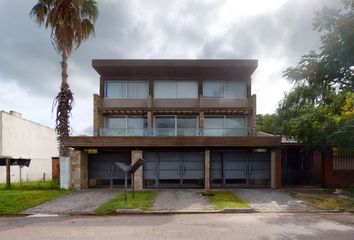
[187,89]
[214,126]
[214,89]
[187,126]
[235,90]
[116,122]
[164,126]
[165,89]
[116,89]
[137,89]
[236,126]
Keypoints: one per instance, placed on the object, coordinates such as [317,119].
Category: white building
[21,138]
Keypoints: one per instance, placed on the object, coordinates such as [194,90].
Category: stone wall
[79,170]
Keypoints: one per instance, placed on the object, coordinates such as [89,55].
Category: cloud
[276,33]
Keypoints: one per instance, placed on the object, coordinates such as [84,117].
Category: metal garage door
[240,168]
[173,169]
[103,170]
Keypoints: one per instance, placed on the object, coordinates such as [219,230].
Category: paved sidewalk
[83,201]
[181,200]
[270,200]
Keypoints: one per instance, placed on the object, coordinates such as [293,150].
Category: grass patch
[33,185]
[325,199]
[226,199]
[14,201]
[143,200]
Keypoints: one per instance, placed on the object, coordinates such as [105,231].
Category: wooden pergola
[8,162]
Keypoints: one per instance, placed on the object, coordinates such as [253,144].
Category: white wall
[21,138]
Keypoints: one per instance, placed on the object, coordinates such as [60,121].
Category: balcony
[174,132]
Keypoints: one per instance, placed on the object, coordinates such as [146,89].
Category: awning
[16,162]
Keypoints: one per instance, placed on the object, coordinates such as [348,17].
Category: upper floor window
[224,89]
[176,89]
[225,126]
[126,89]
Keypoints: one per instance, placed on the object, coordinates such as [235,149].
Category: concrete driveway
[82,201]
[181,200]
[270,200]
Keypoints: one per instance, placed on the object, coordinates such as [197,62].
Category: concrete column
[138,177]
[275,168]
[65,172]
[8,173]
[207,169]
[79,170]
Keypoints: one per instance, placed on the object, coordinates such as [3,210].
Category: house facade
[192,121]
[21,138]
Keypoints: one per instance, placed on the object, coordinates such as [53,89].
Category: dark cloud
[153,29]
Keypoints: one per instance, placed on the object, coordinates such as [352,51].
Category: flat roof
[174,67]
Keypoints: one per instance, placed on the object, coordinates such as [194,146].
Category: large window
[225,126]
[176,126]
[125,126]
[176,89]
[126,89]
[224,89]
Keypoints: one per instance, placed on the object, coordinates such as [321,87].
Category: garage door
[104,171]
[173,169]
[240,168]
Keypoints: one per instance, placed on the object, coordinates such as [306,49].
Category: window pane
[214,126]
[165,89]
[236,126]
[186,122]
[116,89]
[214,89]
[235,90]
[214,122]
[187,126]
[115,122]
[137,89]
[235,122]
[187,89]
[136,122]
[164,126]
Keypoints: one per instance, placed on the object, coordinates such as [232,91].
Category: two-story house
[192,121]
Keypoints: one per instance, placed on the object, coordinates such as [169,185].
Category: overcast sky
[276,32]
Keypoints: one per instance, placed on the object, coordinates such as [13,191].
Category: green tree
[267,123]
[319,110]
[71,22]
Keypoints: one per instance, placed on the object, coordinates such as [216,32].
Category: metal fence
[343,159]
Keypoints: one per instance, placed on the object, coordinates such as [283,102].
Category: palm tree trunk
[63,101]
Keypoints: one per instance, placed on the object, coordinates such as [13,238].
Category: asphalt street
[202,226]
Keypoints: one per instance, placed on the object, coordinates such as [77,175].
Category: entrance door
[102,170]
[239,168]
[173,169]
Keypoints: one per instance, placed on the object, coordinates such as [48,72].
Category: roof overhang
[175,68]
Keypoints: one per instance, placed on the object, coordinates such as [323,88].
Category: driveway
[181,200]
[270,200]
[82,201]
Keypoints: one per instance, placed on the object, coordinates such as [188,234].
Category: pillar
[79,170]
[98,118]
[275,168]
[138,177]
[8,173]
[207,169]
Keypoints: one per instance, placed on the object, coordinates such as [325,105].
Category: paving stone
[80,201]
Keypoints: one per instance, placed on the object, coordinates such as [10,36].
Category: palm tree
[71,22]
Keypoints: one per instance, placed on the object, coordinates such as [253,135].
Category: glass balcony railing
[176,132]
